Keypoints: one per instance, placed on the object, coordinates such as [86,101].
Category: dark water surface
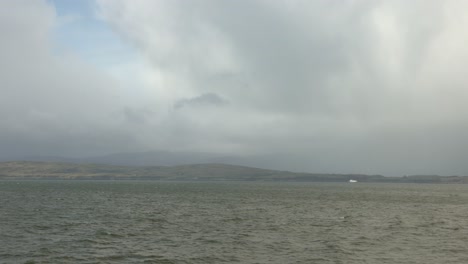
[168,222]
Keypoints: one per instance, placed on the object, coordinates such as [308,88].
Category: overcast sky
[329,86]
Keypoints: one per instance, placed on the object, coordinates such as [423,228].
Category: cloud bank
[349,86]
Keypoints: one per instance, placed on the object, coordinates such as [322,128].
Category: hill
[24,170]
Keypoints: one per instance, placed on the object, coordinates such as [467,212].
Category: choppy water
[163,222]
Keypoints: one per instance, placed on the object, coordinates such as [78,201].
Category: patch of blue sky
[80,32]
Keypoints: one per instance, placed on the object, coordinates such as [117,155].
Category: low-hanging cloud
[206,99]
[52,102]
[354,86]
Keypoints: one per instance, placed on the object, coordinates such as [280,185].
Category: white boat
[352,181]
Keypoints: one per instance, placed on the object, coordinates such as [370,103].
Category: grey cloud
[361,86]
[136,116]
[206,99]
[338,86]
[304,57]
[51,103]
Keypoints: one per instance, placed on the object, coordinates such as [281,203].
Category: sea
[232,222]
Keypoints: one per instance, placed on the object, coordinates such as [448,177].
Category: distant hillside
[23,170]
[149,158]
[58,170]
[271,161]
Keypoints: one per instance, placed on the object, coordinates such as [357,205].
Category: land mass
[27,170]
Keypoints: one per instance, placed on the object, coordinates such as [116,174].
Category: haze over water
[227,222]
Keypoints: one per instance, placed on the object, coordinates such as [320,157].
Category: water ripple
[157,222]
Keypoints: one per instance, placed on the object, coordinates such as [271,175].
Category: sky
[348,86]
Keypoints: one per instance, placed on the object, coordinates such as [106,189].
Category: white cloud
[51,104]
[371,86]
[361,78]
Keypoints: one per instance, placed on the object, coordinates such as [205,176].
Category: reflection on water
[164,222]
